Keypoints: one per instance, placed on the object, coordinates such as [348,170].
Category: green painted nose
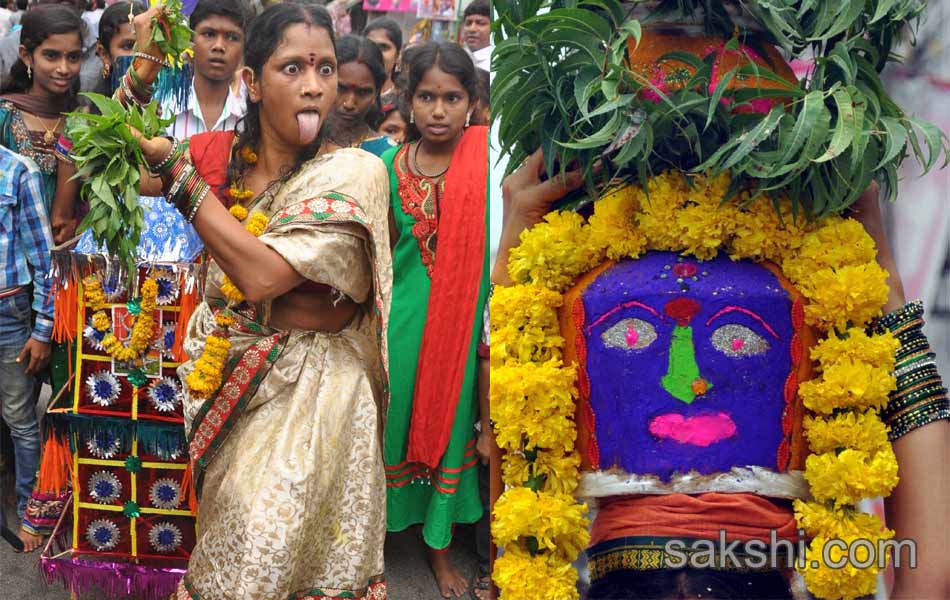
[682,379]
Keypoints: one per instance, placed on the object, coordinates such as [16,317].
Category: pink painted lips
[701,430]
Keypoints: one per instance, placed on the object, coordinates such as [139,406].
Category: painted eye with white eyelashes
[738,341]
[629,334]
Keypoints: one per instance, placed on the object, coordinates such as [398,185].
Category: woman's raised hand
[526,200]
[142,26]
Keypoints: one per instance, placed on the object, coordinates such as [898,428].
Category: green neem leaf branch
[108,160]
[171,32]
[563,83]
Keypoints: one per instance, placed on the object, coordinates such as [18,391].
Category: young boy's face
[477,29]
[219,46]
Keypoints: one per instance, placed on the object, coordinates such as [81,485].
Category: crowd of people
[371,328]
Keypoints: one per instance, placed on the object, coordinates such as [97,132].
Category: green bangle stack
[920,397]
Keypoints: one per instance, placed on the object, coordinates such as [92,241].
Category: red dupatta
[453,299]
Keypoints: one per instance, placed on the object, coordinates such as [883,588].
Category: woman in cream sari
[286,382]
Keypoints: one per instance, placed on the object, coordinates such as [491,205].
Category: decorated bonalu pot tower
[115,463]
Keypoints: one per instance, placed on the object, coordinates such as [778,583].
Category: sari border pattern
[375,590]
[218,415]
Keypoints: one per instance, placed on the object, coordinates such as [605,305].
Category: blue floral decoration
[103,388]
[104,487]
[93,336]
[165,493]
[103,535]
[165,394]
[167,287]
[166,341]
[103,444]
[113,286]
[164,537]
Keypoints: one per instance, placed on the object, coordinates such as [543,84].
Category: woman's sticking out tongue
[308,122]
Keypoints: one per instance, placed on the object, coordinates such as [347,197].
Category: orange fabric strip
[744,517]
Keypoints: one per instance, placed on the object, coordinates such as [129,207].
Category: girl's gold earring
[412,116]
[106,69]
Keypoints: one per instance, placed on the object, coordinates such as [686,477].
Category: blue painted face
[687,363]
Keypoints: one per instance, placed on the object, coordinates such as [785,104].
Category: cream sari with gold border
[288,454]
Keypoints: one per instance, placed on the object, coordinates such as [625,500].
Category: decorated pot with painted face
[688,370]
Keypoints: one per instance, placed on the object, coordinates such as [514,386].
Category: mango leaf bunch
[108,160]
[170,31]
[564,82]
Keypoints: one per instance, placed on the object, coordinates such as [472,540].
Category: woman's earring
[468,119]
[106,69]
[29,72]
[412,116]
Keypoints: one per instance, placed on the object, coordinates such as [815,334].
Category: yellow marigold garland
[554,521]
[143,330]
[858,430]
[203,382]
[832,263]
[205,379]
[93,294]
[541,576]
[238,212]
[846,582]
[255,226]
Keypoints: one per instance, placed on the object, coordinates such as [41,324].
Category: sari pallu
[288,453]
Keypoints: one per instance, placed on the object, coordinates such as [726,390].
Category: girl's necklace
[415,165]
[50,136]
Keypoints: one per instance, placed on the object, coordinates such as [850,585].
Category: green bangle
[901,316]
[914,417]
[166,163]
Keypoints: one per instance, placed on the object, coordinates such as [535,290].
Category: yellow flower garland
[143,330]
[832,263]
[203,382]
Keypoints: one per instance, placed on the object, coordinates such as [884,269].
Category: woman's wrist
[146,69]
[161,164]
[184,187]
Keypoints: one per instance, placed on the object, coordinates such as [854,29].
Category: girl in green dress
[439,214]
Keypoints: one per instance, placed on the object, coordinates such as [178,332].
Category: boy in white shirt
[219,48]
